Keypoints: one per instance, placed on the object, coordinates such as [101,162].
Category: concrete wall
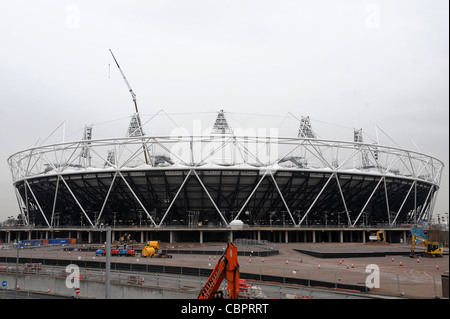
[92,289]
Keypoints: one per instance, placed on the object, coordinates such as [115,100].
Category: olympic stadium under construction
[229,174]
[214,180]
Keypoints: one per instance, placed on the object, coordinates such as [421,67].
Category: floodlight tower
[85,156]
[305,130]
[358,138]
[221,125]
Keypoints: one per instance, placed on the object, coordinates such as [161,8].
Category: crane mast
[133,96]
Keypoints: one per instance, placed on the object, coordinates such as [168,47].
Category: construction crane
[226,268]
[133,96]
[432,248]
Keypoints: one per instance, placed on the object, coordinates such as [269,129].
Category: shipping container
[59,241]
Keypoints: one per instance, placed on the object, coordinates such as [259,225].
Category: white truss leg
[37,202]
[432,203]
[343,200]
[423,211]
[76,200]
[250,196]
[54,200]
[106,199]
[21,204]
[317,197]
[282,198]
[138,200]
[367,202]
[174,199]
[387,201]
[403,203]
[217,208]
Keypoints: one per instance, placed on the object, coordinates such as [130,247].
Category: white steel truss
[192,153]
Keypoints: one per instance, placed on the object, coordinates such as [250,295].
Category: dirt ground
[399,275]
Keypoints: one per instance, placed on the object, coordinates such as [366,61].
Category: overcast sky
[356,63]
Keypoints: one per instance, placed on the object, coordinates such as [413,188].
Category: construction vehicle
[379,237]
[432,248]
[126,251]
[125,239]
[227,267]
[152,249]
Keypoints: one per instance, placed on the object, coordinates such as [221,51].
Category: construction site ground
[399,274]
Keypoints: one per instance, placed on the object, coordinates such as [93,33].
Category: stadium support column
[286,237]
[313,236]
[201,237]
[341,236]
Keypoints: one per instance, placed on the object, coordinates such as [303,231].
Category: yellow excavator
[152,249]
[379,237]
[432,248]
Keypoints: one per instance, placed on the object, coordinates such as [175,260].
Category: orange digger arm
[227,267]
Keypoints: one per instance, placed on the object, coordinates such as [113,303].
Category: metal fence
[250,289]
[276,282]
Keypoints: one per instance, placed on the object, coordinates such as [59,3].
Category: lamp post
[108,263]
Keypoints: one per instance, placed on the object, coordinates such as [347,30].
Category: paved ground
[413,279]
[19,294]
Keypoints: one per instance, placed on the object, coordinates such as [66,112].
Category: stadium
[221,173]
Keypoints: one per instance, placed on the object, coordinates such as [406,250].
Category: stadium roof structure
[260,174]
